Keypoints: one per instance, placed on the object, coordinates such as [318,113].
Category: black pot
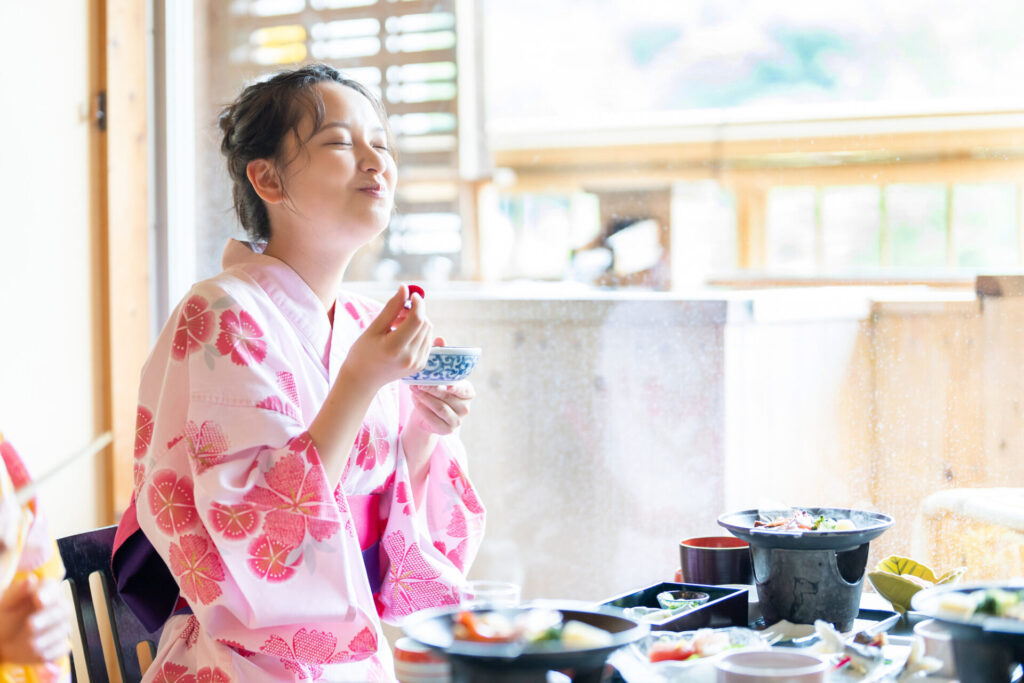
[802,576]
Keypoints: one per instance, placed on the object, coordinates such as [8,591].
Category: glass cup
[482,593]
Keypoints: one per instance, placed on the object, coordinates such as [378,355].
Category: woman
[297,491]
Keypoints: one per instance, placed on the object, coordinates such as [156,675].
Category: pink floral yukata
[230,491]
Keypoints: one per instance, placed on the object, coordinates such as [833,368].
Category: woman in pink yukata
[296,491]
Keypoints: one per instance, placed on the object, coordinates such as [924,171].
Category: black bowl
[498,662]
[985,648]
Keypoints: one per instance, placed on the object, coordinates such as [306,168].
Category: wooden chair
[103,624]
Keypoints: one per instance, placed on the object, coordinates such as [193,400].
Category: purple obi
[148,588]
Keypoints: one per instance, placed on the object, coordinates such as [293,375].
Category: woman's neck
[320,268]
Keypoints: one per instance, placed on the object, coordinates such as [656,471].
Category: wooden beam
[541,179]
[126,234]
[685,145]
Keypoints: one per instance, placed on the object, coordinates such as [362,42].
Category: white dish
[938,643]
[771,666]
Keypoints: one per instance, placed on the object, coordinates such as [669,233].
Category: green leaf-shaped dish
[897,579]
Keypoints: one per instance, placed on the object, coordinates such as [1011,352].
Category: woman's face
[340,180]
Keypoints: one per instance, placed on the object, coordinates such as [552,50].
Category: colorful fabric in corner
[35,552]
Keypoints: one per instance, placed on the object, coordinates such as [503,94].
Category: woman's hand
[441,409]
[34,622]
[393,346]
[437,410]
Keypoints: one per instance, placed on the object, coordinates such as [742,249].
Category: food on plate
[706,642]
[576,635]
[862,657]
[802,520]
[898,579]
[682,600]
[992,602]
[918,663]
[529,626]
[673,604]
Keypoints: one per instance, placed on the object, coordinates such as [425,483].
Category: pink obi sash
[147,586]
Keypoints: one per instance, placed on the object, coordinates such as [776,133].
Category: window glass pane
[339,4]
[789,230]
[417,42]
[703,235]
[743,53]
[985,225]
[345,29]
[917,225]
[850,228]
[269,8]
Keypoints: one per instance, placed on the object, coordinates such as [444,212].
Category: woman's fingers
[456,396]
[439,418]
[385,320]
[444,408]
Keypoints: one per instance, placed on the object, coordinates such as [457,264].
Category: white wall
[49,321]
[595,440]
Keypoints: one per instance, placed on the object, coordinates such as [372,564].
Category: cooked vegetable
[995,602]
[803,521]
[579,636]
[529,626]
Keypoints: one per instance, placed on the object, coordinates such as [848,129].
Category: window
[864,229]
[623,165]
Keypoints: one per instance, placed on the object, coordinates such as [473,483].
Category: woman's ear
[265,181]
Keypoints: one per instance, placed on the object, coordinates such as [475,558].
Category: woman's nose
[372,160]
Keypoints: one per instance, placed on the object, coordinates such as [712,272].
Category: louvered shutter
[405,50]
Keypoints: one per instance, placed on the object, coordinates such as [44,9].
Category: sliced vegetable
[664,652]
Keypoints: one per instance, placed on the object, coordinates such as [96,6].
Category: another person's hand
[10,514]
[394,345]
[35,623]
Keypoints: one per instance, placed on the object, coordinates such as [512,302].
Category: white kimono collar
[286,289]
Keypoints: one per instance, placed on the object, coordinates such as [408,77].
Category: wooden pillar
[751,216]
[126,231]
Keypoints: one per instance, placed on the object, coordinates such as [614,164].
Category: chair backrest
[109,643]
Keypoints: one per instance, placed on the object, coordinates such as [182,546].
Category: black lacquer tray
[727,606]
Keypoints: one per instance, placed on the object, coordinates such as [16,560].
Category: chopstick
[28,491]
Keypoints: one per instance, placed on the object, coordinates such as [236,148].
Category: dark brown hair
[256,124]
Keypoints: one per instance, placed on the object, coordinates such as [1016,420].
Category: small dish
[673,600]
[898,579]
[771,666]
[938,643]
[446,365]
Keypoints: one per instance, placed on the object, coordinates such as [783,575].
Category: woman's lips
[376,191]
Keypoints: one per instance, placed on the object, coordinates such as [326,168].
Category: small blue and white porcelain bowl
[446,365]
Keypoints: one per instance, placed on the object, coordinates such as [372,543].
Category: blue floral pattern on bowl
[446,365]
